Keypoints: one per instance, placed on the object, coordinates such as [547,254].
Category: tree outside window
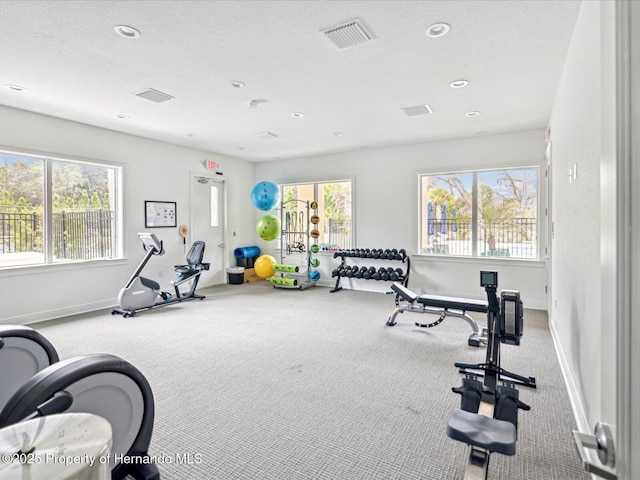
[502,205]
[72,218]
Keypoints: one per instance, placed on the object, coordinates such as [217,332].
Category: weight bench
[442,306]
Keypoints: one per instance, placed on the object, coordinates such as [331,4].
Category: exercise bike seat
[194,260]
[482,431]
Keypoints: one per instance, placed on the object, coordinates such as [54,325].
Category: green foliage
[76,188]
[337,201]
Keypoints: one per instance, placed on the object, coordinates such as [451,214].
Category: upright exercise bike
[142,293]
[487,419]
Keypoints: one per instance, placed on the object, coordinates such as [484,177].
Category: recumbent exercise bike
[142,293]
[487,419]
[34,383]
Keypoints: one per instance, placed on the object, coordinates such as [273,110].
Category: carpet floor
[261,383]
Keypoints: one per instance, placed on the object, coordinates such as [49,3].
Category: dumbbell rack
[345,271]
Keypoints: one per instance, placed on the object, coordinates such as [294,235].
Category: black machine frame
[488,415]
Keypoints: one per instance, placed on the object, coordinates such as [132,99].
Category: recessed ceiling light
[265,135]
[236,84]
[126,31]
[123,117]
[483,132]
[459,83]
[16,88]
[192,135]
[297,114]
[439,29]
[337,134]
[472,114]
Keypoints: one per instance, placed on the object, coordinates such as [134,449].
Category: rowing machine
[487,419]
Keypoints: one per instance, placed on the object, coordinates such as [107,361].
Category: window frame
[118,195]
[475,240]
[316,184]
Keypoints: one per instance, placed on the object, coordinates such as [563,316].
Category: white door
[208,224]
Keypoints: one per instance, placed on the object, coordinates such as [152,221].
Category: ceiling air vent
[417,110]
[349,34]
[154,95]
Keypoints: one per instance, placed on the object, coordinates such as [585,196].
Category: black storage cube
[246,262]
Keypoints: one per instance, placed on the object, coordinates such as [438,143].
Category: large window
[490,213]
[55,210]
[334,209]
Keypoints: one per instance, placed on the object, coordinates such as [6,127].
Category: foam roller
[285,268]
[246,252]
[288,282]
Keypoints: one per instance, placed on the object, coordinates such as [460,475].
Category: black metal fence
[80,235]
[515,238]
[19,232]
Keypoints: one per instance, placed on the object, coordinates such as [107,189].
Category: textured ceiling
[73,65]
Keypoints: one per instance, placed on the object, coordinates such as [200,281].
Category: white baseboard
[35,317]
[575,398]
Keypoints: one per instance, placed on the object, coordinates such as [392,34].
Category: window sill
[19,270]
[519,262]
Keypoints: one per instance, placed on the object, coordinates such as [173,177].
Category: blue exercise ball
[265,196]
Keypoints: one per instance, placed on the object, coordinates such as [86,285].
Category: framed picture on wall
[159,214]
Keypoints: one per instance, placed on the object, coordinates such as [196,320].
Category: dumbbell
[368,275]
[360,273]
[352,271]
[384,274]
[394,275]
[401,255]
[364,252]
[336,271]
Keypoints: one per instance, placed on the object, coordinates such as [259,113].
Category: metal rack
[369,256]
[294,243]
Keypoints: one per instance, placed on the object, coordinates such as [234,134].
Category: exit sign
[211,164]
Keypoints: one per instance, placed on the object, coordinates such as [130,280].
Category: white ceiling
[73,65]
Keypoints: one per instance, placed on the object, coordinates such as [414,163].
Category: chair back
[196,253]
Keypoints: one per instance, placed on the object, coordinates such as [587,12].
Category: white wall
[583,250]
[153,171]
[386,206]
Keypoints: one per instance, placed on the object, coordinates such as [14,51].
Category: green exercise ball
[268,227]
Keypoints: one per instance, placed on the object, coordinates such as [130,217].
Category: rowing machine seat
[482,431]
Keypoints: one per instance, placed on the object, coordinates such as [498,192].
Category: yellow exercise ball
[264,266]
